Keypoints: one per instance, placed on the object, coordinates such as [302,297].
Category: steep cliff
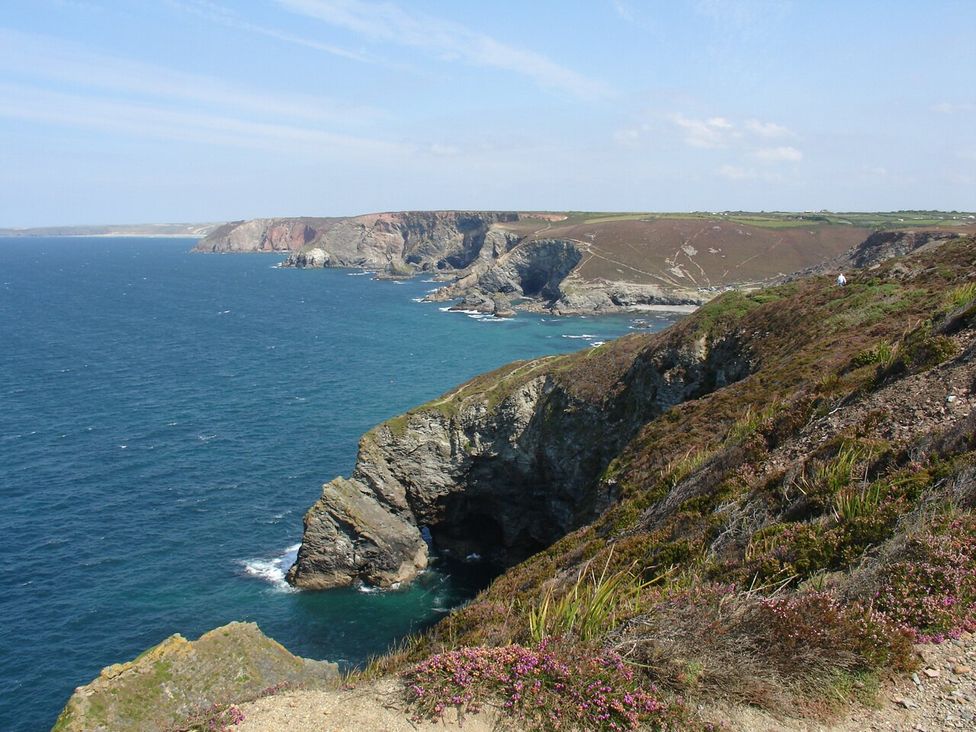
[566,263]
[510,462]
[395,243]
[505,464]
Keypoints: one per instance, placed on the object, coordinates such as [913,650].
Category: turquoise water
[166,419]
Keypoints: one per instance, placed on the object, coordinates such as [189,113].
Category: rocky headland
[566,263]
[179,680]
[748,519]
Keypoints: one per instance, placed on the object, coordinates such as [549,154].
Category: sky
[213,110]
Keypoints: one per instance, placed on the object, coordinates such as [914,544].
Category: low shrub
[543,687]
[780,653]
[931,587]
[217,718]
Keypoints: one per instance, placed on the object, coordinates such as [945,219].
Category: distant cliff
[567,263]
[394,243]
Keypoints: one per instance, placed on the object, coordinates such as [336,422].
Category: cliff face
[262,235]
[564,263]
[504,465]
[395,243]
[512,461]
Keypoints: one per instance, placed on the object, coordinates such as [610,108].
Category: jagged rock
[261,235]
[502,467]
[350,535]
[396,243]
[178,678]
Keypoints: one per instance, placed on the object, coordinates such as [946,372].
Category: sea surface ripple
[165,420]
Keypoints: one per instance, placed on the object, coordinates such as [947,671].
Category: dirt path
[374,708]
[941,695]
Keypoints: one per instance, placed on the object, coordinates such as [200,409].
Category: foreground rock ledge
[177,678]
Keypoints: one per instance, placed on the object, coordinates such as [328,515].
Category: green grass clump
[593,606]
[961,296]
[723,310]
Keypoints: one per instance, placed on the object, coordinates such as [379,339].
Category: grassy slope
[758,487]
[714,250]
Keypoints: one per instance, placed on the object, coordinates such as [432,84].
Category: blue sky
[205,110]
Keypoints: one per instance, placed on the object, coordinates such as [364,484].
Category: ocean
[165,420]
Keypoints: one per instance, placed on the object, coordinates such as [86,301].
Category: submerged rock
[178,678]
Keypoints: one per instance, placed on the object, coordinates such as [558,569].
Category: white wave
[7,283]
[398,282]
[594,344]
[584,336]
[273,570]
[416,299]
[205,438]
[360,274]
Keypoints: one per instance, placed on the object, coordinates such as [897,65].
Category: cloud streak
[446,40]
[225,16]
[144,120]
[49,60]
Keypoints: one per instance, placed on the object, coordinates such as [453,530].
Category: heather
[930,586]
[544,687]
[782,537]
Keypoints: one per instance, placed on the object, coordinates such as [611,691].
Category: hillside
[753,515]
[779,466]
[572,262]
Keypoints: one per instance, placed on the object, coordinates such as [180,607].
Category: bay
[165,420]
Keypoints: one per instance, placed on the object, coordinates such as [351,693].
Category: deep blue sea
[165,420]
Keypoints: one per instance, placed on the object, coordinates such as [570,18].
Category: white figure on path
[841,280]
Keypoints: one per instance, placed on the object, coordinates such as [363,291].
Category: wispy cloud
[446,39]
[745,138]
[623,10]
[767,129]
[146,120]
[781,154]
[709,133]
[47,60]
[740,173]
[55,82]
[223,15]
[954,108]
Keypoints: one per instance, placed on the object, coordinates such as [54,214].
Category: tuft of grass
[680,468]
[591,608]
[851,504]
[750,421]
[829,478]
[961,296]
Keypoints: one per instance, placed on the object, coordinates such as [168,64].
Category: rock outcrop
[395,243]
[504,465]
[877,248]
[262,235]
[502,261]
[179,678]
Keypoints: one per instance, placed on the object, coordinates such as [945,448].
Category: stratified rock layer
[178,678]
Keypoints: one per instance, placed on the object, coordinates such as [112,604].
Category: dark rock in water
[503,308]
[179,678]
[350,536]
